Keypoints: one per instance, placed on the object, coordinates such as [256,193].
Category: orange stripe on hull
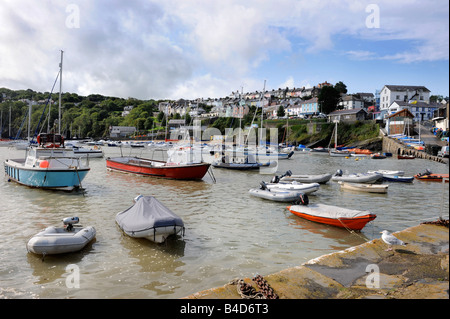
[356,223]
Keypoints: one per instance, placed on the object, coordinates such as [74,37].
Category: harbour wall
[419,270]
[396,148]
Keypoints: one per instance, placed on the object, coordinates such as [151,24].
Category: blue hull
[42,178]
[398,179]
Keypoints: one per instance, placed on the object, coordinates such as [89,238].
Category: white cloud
[198,48]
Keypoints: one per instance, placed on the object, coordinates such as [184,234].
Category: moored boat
[377,156]
[332,215]
[305,178]
[150,219]
[356,178]
[387,172]
[60,240]
[304,188]
[339,153]
[277,195]
[243,162]
[156,168]
[428,176]
[406,157]
[49,165]
[241,166]
[368,188]
[399,179]
[319,151]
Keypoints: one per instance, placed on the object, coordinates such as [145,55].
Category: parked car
[443,152]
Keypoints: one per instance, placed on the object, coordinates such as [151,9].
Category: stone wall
[396,148]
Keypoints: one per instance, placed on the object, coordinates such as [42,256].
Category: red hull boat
[149,167]
[432,177]
[332,215]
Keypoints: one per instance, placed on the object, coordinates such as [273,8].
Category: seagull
[391,240]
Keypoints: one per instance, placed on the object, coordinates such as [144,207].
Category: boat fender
[44,164]
[304,200]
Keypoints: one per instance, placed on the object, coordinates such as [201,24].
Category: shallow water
[229,234]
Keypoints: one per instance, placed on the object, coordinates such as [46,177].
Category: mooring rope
[247,291]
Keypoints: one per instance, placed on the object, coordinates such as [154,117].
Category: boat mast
[29,120]
[60,91]
[262,114]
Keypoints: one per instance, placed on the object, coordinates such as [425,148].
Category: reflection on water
[229,234]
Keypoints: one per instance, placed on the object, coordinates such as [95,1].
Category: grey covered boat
[149,218]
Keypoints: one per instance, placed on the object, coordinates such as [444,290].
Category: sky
[172,49]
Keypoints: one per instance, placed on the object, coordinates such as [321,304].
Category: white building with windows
[351,102]
[402,93]
[421,111]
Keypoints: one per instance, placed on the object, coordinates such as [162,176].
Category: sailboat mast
[60,91]
[262,114]
[29,120]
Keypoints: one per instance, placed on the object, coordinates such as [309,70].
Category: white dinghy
[304,178]
[356,178]
[304,188]
[60,240]
[275,194]
[149,218]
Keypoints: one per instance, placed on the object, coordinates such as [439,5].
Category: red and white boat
[332,215]
[182,163]
[430,177]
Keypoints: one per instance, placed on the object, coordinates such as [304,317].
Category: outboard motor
[304,200]
[339,172]
[275,179]
[263,186]
[428,171]
[69,222]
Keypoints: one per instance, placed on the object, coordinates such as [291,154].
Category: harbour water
[229,234]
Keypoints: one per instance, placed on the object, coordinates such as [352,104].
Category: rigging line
[43,112]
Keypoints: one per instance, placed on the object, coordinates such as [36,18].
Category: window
[397,97]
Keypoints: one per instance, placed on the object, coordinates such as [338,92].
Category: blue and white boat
[396,178]
[49,165]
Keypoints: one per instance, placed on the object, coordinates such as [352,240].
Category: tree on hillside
[328,99]
[280,111]
[341,87]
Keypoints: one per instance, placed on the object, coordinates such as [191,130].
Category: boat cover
[327,211]
[145,214]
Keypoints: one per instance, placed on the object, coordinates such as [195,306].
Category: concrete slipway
[419,270]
